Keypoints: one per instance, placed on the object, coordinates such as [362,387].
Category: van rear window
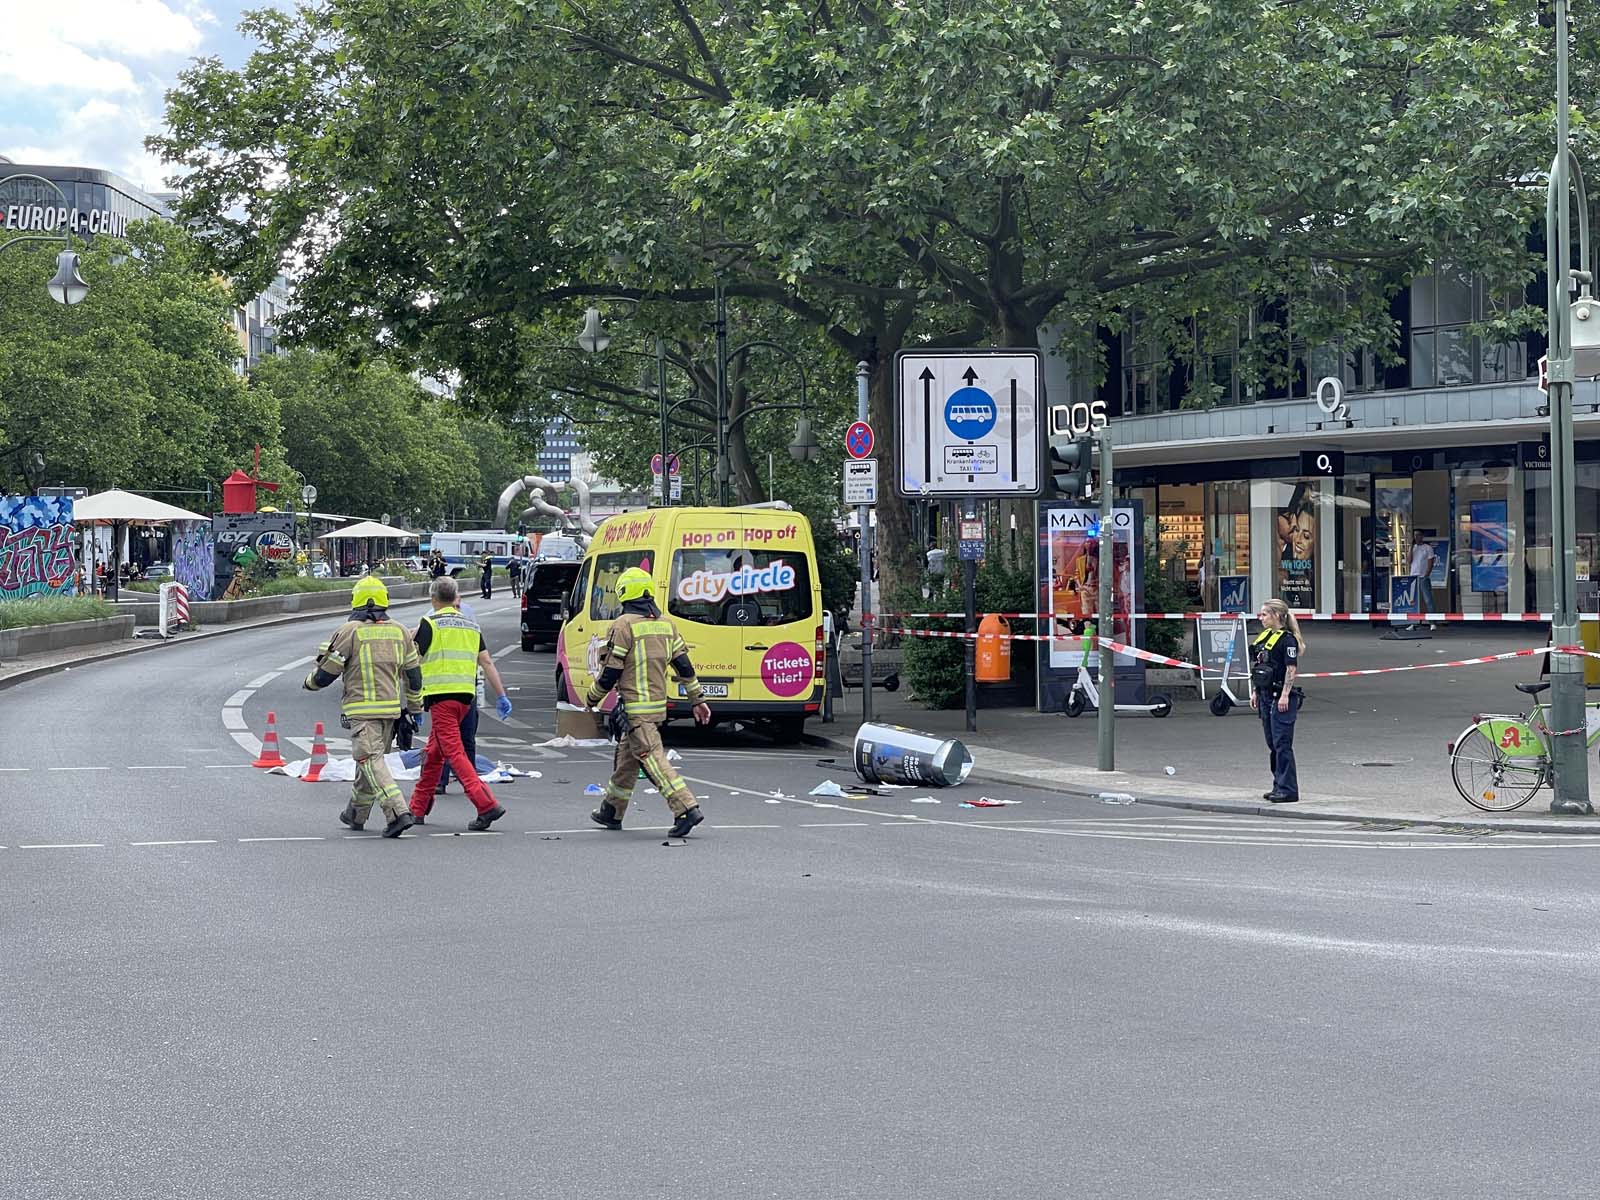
[740,587]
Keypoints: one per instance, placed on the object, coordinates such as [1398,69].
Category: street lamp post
[1566,670]
[66,286]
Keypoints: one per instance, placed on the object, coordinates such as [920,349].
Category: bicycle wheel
[1489,780]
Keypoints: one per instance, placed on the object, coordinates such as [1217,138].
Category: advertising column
[1069,581]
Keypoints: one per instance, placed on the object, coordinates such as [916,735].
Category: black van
[543,592]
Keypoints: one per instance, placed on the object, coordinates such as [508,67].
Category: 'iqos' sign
[1075,420]
[45,218]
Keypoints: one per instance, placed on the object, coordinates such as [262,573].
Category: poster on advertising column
[1296,542]
[1069,590]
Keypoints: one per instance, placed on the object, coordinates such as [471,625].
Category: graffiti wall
[193,558]
[36,556]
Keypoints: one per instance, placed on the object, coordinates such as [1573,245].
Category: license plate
[713,690]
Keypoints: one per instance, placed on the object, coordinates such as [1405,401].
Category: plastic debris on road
[829,788]
[674,756]
[772,801]
[924,800]
[1171,770]
[568,742]
[594,789]
[1115,798]
[987,802]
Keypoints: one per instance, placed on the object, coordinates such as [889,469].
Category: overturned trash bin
[895,754]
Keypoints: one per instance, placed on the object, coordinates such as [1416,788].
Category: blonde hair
[1286,619]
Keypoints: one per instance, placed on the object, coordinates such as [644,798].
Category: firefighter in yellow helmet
[382,678]
[643,650]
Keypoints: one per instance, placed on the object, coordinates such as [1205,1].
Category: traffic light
[1071,466]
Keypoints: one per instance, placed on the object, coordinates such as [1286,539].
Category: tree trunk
[900,561]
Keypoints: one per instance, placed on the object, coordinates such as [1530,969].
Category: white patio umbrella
[118,509]
[368,530]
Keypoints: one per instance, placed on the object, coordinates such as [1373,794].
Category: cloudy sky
[85,78]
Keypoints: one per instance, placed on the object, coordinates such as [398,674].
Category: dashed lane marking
[188,842]
[505,650]
[161,767]
[77,768]
[61,846]
[283,839]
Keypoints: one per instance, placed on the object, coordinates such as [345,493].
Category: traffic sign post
[970,423]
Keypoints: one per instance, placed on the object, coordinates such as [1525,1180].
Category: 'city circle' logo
[970,413]
[786,669]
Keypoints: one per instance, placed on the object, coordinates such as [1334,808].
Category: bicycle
[1499,761]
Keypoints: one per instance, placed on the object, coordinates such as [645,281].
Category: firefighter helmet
[634,583]
[369,590]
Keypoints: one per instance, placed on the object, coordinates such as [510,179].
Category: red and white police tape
[1164,661]
[1299,614]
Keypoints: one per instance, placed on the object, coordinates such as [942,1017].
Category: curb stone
[1254,809]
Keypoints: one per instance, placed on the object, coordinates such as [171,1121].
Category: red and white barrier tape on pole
[1163,661]
[1408,617]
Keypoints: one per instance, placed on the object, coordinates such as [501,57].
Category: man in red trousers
[452,650]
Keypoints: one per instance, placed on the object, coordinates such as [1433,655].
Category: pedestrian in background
[1422,560]
[1274,662]
[487,563]
[436,566]
[453,649]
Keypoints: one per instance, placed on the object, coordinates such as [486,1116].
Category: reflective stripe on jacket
[372,657]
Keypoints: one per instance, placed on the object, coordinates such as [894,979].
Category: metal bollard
[895,754]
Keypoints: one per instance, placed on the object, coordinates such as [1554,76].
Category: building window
[1443,351]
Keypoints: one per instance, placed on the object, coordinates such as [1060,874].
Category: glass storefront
[1338,544]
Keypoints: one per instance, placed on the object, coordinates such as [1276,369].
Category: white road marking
[8,769]
[190,842]
[62,846]
[230,766]
[260,681]
[161,767]
[239,698]
[833,824]
[470,833]
[299,662]
[233,718]
[283,839]
[501,653]
[590,829]
[77,768]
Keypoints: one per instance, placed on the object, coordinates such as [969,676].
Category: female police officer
[1274,662]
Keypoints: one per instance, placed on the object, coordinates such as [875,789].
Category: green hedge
[936,668]
[52,610]
[289,585]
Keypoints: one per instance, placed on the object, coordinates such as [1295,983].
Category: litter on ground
[1116,798]
[987,802]
[403,764]
[829,788]
[923,800]
[594,789]
[568,742]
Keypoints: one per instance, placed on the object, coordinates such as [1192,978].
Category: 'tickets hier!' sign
[786,669]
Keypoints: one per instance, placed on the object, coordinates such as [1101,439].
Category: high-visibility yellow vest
[450,667]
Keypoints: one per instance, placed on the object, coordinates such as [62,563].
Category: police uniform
[450,642]
[382,676]
[643,651]
[1272,653]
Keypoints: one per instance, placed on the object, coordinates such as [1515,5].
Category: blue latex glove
[503,707]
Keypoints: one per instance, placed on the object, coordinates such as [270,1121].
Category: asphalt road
[211,990]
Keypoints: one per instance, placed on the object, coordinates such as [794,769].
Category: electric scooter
[1225,699]
[1086,696]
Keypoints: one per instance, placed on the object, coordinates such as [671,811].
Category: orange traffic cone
[269,756]
[319,757]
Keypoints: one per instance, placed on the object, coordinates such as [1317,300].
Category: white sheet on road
[403,764]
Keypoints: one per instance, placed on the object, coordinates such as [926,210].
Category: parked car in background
[544,592]
[158,570]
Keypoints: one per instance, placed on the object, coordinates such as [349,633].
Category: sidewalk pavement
[30,666]
[1370,748]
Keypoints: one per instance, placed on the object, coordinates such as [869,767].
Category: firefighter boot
[687,820]
[606,815]
[348,816]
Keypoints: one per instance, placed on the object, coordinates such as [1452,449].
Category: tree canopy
[134,387]
[458,180]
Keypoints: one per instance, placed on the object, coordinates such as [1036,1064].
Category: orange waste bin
[994,649]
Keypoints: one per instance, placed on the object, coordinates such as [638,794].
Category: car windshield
[550,581]
[740,587]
